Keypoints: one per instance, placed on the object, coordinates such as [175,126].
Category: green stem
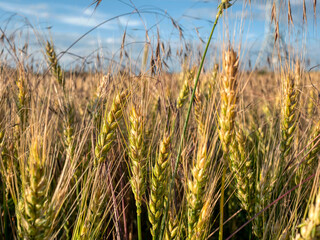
[139,224]
[223,179]
[164,218]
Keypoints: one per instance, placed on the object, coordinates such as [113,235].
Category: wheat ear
[288,116]
[172,230]
[137,161]
[54,65]
[202,226]
[198,112]
[197,187]
[158,186]
[34,213]
[183,95]
[212,82]
[68,131]
[22,101]
[311,106]
[241,166]
[227,114]
[228,99]
[108,127]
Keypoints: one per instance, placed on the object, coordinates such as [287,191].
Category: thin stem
[164,218]
[223,179]
[123,209]
[6,235]
[116,212]
[139,224]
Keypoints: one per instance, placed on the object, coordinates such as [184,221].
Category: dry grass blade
[304,11]
[290,20]
[315,8]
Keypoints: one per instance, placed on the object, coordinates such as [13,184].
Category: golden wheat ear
[137,161]
[34,212]
[108,127]
[54,65]
[159,181]
[228,108]
[228,94]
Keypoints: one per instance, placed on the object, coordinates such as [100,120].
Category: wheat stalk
[222,6]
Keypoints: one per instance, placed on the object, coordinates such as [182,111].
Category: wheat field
[206,152]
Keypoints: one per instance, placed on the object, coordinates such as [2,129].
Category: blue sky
[65,21]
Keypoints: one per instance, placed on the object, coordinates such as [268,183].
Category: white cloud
[84,21]
[81,21]
[74,16]
[36,10]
